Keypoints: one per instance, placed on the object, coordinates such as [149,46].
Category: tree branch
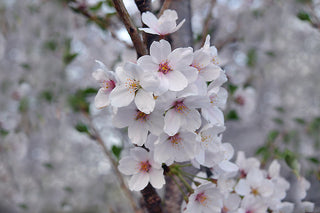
[152,199]
[207,21]
[131,28]
[165,5]
[96,136]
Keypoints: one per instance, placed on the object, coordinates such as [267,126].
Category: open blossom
[139,123]
[107,81]
[143,168]
[172,68]
[179,147]
[166,24]
[205,199]
[134,84]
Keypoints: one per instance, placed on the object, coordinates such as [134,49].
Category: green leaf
[48,165]
[23,206]
[304,1]
[272,135]
[314,160]
[81,127]
[25,66]
[278,121]
[291,160]
[69,57]
[280,109]
[3,132]
[78,101]
[232,88]
[47,95]
[232,115]
[96,6]
[304,16]
[24,105]
[116,150]
[68,189]
[50,45]
[300,121]
[251,57]
[271,54]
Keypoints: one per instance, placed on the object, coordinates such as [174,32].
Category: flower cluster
[172,101]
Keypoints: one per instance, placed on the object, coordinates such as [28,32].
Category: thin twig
[131,28]
[165,5]
[95,134]
[207,21]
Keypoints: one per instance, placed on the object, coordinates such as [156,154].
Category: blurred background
[270,50]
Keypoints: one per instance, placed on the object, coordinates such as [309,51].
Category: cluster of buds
[172,101]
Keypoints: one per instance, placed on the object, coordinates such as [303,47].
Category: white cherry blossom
[179,147]
[134,84]
[143,168]
[165,25]
[107,82]
[172,68]
[205,199]
[139,123]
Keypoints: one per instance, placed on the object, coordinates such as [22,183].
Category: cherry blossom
[134,84]
[107,81]
[165,25]
[143,168]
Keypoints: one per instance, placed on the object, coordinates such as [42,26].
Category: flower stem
[185,183]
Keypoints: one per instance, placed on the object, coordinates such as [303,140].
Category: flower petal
[139,181]
[120,96]
[172,122]
[144,101]
[102,98]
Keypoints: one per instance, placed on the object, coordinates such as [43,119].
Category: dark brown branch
[152,199]
[131,28]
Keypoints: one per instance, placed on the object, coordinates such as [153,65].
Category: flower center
[197,66]
[132,85]
[145,166]
[109,85]
[243,174]
[180,107]
[240,100]
[141,116]
[175,140]
[164,67]
[255,191]
[201,198]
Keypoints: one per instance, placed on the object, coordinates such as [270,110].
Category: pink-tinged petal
[99,75]
[213,115]
[160,51]
[190,73]
[210,72]
[150,82]
[255,177]
[120,96]
[139,181]
[169,15]
[242,188]
[133,71]
[102,99]
[266,188]
[144,101]
[180,58]
[156,123]
[218,82]
[157,178]
[148,64]
[128,166]
[124,116]
[149,30]
[201,59]
[149,19]
[227,166]
[167,27]
[177,81]
[197,101]
[140,154]
[193,120]
[179,25]
[138,133]
[172,122]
